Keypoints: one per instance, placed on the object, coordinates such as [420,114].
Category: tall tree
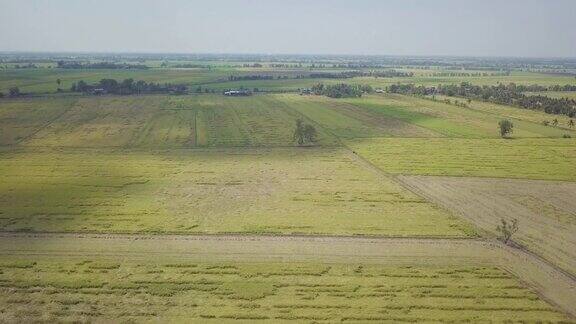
[506,127]
[299,132]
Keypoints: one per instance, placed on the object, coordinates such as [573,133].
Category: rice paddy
[104,290]
[227,170]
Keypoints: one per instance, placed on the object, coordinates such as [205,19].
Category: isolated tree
[299,132]
[58,81]
[506,229]
[506,127]
[571,123]
[304,133]
[555,122]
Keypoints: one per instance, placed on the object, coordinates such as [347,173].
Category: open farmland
[345,120]
[187,191]
[454,121]
[100,277]
[21,119]
[549,159]
[133,202]
[155,122]
[546,210]
[221,292]
[44,80]
[517,114]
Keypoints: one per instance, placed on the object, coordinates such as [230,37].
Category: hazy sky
[390,27]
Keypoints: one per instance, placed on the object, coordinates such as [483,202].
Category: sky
[523,28]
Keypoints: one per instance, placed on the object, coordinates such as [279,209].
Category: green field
[454,121]
[43,80]
[516,115]
[214,191]
[255,228]
[551,159]
[150,121]
[103,290]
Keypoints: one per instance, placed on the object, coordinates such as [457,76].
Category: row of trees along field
[127,87]
[510,94]
[324,75]
[100,65]
[340,90]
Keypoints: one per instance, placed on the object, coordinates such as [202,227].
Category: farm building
[237,93]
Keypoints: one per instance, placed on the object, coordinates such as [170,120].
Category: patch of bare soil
[546,210]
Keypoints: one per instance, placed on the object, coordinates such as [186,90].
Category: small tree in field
[571,123]
[506,127]
[304,133]
[506,230]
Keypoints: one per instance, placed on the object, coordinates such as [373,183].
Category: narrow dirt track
[552,284]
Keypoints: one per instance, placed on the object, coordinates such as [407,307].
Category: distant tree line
[324,75]
[352,74]
[127,87]
[26,66]
[100,65]
[469,74]
[250,77]
[510,94]
[340,90]
[540,88]
[187,66]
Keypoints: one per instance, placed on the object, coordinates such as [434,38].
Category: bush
[506,127]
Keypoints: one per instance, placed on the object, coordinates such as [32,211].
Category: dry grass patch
[311,191]
[546,210]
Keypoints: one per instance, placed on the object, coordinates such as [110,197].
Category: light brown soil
[546,210]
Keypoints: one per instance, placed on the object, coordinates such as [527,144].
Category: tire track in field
[45,125]
[551,284]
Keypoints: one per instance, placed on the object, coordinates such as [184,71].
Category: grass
[21,119]
[551,159]
[478,121]
[521,115]
[150,122]
[209,191]
[67,290]
[345,120]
